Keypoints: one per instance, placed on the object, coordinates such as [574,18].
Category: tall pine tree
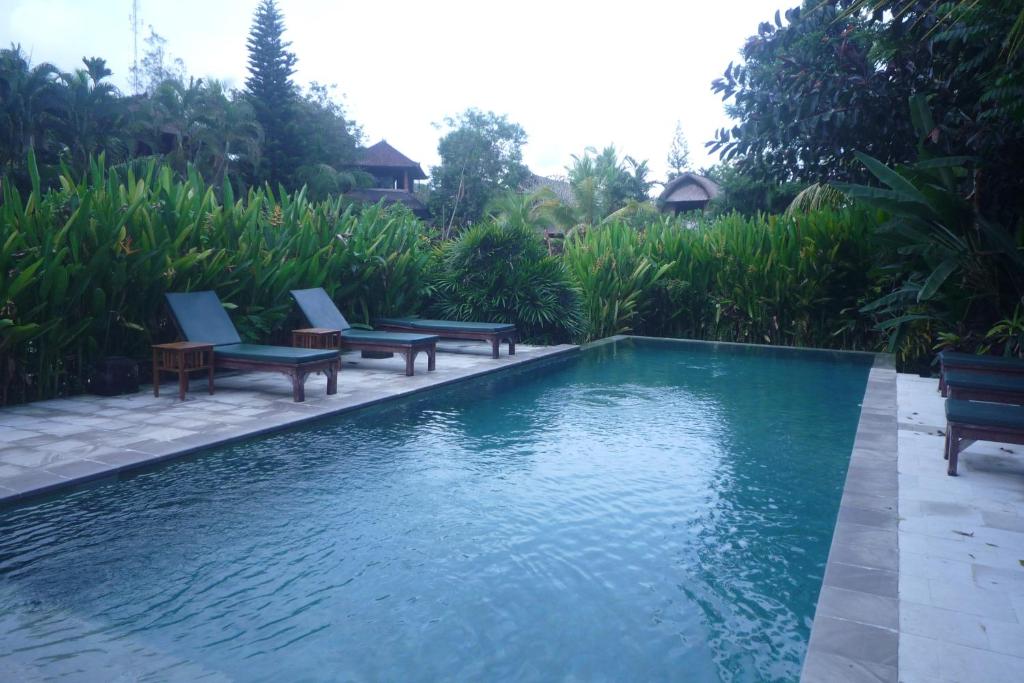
[273,95]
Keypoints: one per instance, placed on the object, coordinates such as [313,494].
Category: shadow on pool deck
[52,444]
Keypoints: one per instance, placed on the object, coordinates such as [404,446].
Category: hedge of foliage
[794,280]
[83,270]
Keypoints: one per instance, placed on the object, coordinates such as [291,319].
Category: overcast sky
[573,74]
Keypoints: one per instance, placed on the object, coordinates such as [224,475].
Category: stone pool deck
[52,444]
[961,550]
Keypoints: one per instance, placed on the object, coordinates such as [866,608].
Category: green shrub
[502,273]
[795,280]
[83,269]
[616,274]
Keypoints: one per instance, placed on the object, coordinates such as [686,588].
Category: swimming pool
[640,510]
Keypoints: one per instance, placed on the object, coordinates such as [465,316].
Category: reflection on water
[641,512]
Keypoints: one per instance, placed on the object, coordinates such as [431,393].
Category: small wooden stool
[182,358]
[316,338]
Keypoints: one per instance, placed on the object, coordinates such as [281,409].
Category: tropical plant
[502,273]
[957,271]
[616,276]
[815,197]
[83,269]
[602,184]
[31,103]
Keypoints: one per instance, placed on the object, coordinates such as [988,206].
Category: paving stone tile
[11,435]
[1000,580]
[865,608]
[32,480]
[967,598]
[914,589]
[35,458]
[862,579]
[79,469]
[882,519]
[866,555]
[821,667]
[942,624]
[859,642]
[860,535]
[125,458]
[960,663]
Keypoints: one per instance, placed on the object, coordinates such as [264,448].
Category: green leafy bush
[795,280]
[502,273]
[83,269]
[616,275]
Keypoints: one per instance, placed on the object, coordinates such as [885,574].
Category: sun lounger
[970,421]
[201,317]
[990,365]
[495,333]
[969,385]
[321,312]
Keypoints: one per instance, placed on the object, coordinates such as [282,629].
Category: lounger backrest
[319,310]
[202,318]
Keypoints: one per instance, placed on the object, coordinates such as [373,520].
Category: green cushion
[956,359]
[965,379]
[272,354]
[985,414]
[354,337]
[319,310]
[442,326]
[202,318]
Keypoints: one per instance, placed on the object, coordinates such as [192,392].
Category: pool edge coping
[855,631]
[547,354]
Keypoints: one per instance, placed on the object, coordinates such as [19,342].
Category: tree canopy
[481,156]
[272,93]
[834,77]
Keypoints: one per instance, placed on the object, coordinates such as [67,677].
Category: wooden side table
[182,358]
[316,338]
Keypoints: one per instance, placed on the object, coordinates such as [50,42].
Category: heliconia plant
[83,269]
[795,280]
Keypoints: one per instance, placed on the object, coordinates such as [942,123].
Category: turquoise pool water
[642,511]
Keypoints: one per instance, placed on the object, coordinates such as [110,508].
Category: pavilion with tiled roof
[394,177]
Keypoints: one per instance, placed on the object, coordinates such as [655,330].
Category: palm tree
[93,120]
[31,102]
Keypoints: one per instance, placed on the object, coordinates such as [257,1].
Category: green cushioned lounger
[442,326]
[495,333]
[954,360]
[320,311]
[200,316]
[979,386]
[970,421]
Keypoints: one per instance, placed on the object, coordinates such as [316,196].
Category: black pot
[115,375]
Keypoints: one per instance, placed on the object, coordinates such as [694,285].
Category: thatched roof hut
[688,192]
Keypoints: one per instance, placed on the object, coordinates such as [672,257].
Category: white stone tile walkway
[49,444]
[961,541]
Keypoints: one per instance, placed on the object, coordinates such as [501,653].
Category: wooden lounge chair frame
[493,338]
[960,435]
[297,372]
[408,348]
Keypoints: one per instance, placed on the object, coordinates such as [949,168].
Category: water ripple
[638,513]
